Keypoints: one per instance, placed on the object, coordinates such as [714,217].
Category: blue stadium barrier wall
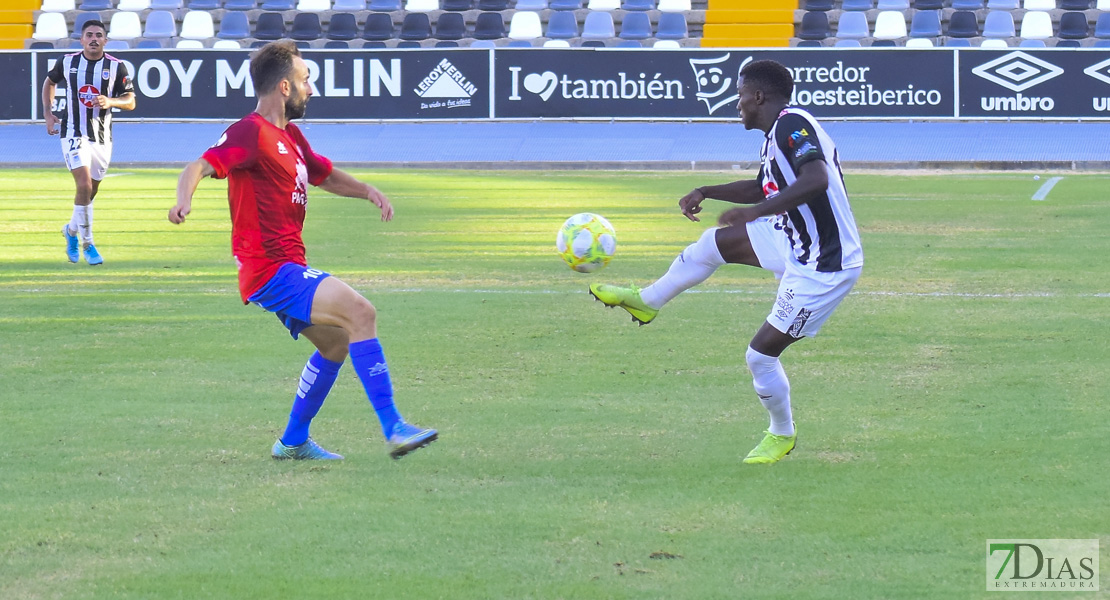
[609,84]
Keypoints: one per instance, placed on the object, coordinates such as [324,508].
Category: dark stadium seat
[383,6]
[672,26]
[234,26]
[1073,26]
[883,44]
[259,44]
[1102,26]
[41,46]
[815,26]
[817,5]
[928,4]
[374,45]
[96,5]
[1074,5]
[269,26]
[963,24]
[379,26]
[1068,44]
[489,26]
[416,26]
[447,44]
[336,45]
[81,19]
[450,26]
[203,4]
[925,24]
[857,5]
[342,26]
[593,43]
[565,4]
[493,4]
[240,4]
[408,44]
[810,44]
[278,5]
[457,4]
[562,25]
[636,26]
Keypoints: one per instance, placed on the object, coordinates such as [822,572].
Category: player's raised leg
[316,381]
[336,303]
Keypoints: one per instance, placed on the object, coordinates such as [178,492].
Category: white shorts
[807,298]
[770,245]
[80,152]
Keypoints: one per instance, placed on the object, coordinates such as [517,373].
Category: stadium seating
[994,43]
[564,4]
[635,26]
[666,44]
[549,44]
[999,24]
[203,4]
[349,5]
[519,44]
[818,5]
[278,5]
[1003,4]
[306,27]
[1036,25]
[925,24]
[671,26]
[856,5]
[383,6]
[117,45]
[678,6]
[963,24]
[58,5]
[95,5]
[598,26]
[967,4]
[890,25]
[342,26]
[1039,4]
[1032,44]
[190,44]
[631,5]
[1102,26]
[920,5]
[421,6]
[152,44]
[313,5]
[919,43]
[450,26]
[133,5]
[489,26]
[894,4]
[604,5]
[957,43]
[416,26]
[1074,5]
[562,25]
[269,26]
[1068,44]
[815,25]
[378,27]
[50,26]
[852,26]
[335,45]
[525,25]
[160,24]
[458,5]
[1073,26]
[846,44]
[534,5]
[125,25]
[197,25]
[240,4]
[234,26]
[166,4]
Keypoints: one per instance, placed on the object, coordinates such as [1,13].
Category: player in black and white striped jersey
[798,225]
[95,83]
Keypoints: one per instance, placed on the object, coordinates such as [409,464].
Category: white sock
[77,219]
[773,388]
[696,263]
[85,228]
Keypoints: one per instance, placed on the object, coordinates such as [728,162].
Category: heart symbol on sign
[544,85]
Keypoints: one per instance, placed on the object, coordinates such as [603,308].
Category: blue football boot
[71,245]
[407,438]
[309,450]
[92,256]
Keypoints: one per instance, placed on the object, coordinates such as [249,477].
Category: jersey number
[312,273]
[74,144]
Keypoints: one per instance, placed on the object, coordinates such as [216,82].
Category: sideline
[1046,188]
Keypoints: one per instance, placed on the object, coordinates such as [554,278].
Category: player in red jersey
[269,165]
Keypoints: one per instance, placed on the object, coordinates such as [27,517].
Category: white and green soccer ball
[586,242]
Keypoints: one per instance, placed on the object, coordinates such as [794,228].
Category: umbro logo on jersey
[282,149]
[1017,71]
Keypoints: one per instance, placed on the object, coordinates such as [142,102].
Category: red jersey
[269,170]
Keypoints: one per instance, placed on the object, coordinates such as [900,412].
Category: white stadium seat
[1036,25]
[890,25]
[666,44]
[125,25]
[1039,5]
[919,43]
[226,45]
[133,5]
[313,5]
[673,6]
[58,5]
[51,26]
[556,44]
[197,25]
[525,25]
[421,6]
[605,5]
[190,44]
[994,43]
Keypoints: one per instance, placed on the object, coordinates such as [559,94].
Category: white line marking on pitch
[1046,188]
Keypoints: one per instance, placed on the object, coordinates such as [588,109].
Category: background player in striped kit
[95,84]
[799,226]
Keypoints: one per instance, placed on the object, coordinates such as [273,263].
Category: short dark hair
[93,23]
[272,63]
[770,76]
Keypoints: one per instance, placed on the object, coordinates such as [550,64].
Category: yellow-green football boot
[771,449]
[627,298]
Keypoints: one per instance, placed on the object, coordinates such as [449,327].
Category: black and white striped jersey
[822,232]
[84,80]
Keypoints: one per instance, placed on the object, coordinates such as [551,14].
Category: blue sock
[369,362]
[316,381]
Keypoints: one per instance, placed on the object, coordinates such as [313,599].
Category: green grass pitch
[958,395]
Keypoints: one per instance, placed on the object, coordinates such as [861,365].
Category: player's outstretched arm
[186,185]
[343,184]
[737,192]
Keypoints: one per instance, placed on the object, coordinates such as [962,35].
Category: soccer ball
[586,242]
